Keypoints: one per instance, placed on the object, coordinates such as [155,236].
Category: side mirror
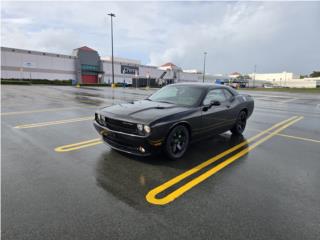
[215,103]
[212,103]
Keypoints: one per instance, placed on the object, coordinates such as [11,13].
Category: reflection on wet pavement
[129,178]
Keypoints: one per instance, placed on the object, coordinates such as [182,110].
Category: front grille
[118,125]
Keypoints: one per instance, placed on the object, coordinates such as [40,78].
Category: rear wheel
[177,142]
[240,123]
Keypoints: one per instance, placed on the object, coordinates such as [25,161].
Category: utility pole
[112,62]
[204,65]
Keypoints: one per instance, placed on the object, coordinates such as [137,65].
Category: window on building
[89,67]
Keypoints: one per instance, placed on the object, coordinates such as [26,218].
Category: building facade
[84,66]
[274,77]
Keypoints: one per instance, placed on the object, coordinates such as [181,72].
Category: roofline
[36,52]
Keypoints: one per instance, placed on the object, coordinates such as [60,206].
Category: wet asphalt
[273,192]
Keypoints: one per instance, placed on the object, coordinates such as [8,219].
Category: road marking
[43,124]
[151,196]
[79,145]
[89,143]
[288,100]
[290,136]
[299,138]
[40,110]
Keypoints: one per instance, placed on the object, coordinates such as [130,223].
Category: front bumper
[128,143]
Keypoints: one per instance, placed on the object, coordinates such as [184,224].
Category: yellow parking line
[151,196]
[37,111]
[43,124]
[89,143]
[79,145]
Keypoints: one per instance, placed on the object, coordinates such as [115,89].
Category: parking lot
[59,181]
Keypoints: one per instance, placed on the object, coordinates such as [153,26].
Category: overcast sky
[276,36]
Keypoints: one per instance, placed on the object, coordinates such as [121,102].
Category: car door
[232,106]
[215,118]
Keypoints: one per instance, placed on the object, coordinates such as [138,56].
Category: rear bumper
[128,143]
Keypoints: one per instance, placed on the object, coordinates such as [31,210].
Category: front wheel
[240,123]
[177,142]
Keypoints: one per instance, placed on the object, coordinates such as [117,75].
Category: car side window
[214,95]
[228,94]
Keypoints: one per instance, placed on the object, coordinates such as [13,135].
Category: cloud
[275,36]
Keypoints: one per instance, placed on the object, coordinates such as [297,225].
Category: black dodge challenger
[172,117]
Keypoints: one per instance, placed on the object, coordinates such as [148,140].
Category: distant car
[268,85]
[173,117]
[234,85]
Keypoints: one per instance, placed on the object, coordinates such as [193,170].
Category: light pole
[204,65]
[112,63]
[254,78]
[148,80]
[136,77]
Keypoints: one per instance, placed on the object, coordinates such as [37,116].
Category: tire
[240,124]
[177,142]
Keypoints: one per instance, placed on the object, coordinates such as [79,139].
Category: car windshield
[178,94]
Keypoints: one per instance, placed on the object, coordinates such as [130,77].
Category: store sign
[125,69]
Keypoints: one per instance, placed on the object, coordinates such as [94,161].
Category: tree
[315,74]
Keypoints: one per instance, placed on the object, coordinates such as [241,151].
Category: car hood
[143,111]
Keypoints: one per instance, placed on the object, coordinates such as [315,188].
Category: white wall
[302,83]
[21,64]
[273,77]
[188,77]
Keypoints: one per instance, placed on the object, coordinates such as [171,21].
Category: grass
[35,81]
[289,90]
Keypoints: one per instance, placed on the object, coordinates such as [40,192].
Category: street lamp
[254,78]
[112,63]
[136,77]
[204,65]
[148,80]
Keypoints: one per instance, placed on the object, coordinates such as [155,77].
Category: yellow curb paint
[151,196]
[79,145]
[43,124]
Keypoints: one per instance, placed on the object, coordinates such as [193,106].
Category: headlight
[101,119]
[147,129]
[140,127]
[143,128]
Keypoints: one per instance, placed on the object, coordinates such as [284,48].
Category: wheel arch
[245,110]
[183,123]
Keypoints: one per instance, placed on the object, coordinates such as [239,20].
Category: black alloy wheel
[240,123]
[177,142]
